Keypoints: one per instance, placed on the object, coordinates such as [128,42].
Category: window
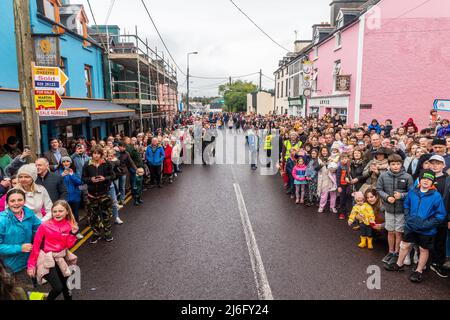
[49,9]
[282,73]
[278,90]
[287,87]
[88,81]
[338,37]
[316,53]
[282,89]
[63,67]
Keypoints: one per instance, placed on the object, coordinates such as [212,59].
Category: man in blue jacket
[155,156]
[424,212]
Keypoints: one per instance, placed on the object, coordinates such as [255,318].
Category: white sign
[53,113]
[442,105]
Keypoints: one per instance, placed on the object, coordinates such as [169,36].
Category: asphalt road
[188,242]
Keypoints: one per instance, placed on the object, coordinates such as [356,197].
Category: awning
[100,109]
[10,111]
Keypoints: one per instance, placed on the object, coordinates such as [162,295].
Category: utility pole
[230,82]
[31,131]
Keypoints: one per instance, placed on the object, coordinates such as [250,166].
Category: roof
[78,108]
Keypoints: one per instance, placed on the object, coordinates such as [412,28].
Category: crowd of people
[380,179]
[41,200]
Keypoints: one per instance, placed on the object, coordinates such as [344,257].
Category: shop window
[88,80]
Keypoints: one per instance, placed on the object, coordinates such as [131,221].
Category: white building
[261,103]
[288,82]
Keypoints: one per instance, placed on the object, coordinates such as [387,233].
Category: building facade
[373,58]
[60,39]
[260,103]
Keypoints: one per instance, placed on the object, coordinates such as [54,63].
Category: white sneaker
[334,210]
[320,210]
[118,221]
[407,261]
[79,236]
[119,206]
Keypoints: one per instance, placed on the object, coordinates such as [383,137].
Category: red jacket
[167,164]
[56,236]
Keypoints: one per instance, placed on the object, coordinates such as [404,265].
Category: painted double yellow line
[87,233]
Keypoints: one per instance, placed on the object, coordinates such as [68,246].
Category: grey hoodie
[388,183]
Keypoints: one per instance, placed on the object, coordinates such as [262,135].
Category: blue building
[60,38]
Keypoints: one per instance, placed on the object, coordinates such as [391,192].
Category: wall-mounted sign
[46,78]
[307,93]
[46,51]
[47,100]
[343,83]
[442,105]
[53,113]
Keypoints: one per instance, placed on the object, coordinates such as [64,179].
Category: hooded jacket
[13,234]
[56,236]
[424,212]
[390,182]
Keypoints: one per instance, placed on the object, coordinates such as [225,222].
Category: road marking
[86,237]
[262,283]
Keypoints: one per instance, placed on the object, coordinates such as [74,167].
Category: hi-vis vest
[268,144]
[289,146]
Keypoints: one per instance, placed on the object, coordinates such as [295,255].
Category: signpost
[442,105]
[46,99]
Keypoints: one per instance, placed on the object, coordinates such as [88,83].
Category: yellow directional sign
[47,99]
[47,78]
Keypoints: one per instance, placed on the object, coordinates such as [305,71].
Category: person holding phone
[98,175]
[72,182]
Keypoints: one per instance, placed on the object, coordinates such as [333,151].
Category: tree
[235,95]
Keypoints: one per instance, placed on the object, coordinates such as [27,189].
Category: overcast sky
[228,44]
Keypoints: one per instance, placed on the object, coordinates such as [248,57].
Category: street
[188,242]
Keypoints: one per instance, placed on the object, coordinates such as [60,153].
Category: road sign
[442,105]
[46,78]
[53,113]
[47,100]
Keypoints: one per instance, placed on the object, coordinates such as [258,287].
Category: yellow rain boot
[362,244]
[369,243]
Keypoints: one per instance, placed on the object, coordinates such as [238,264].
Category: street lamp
[187,94]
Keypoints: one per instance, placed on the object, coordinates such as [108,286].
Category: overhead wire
[161,38]
[256,25]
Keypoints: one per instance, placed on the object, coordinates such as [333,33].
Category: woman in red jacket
[50,258]
[167,164]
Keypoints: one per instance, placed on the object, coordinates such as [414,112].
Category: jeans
[122,187]
[115,206]
[75,206]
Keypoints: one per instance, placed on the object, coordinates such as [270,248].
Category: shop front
[319,106]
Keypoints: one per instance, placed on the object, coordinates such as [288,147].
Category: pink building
[392,61]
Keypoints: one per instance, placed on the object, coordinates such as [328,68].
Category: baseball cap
[439,142]
[437,157]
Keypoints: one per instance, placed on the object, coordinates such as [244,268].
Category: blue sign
[441,105]
[180,106]
[46,84]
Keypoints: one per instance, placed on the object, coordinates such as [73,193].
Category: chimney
[299,45]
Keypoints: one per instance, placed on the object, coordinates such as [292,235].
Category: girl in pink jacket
[50,257]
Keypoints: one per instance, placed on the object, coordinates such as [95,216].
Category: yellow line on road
[86,237]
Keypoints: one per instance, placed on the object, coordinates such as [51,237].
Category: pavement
[199,239]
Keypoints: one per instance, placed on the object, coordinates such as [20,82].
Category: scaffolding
[140,77]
